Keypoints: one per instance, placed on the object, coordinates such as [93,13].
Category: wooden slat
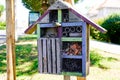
[53,56]
[49,56]
[71,39]
[88,50]
[38,31]
[72,57]
[40,51]
[84,49]
[58,55]
[45,55]
[59,20]
[46,25]
[71,24]
[59,15]
[59,31]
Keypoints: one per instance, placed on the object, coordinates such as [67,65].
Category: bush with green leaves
[1,9]
[95,58]
[2,25]
[112,25]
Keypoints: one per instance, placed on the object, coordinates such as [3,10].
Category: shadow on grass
[27,38]
[98,60]
[24,54]
[112,59]
[95,58]
[2,59]
[33,68]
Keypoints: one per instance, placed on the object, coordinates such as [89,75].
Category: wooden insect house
[63,40]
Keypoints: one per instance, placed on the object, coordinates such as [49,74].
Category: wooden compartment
[65,15]
[71,48]
[53,16]
[49,32]
[72,65]
[72,31]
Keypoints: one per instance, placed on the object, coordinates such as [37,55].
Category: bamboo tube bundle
[72,29]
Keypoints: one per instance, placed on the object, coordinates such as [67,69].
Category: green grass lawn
[104,66]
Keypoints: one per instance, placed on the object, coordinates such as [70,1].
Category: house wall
[107,11]
[104,12]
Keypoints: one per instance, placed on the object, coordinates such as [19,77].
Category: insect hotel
[63,40]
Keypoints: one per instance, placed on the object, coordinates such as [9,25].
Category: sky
[86,4]
[2,1]
[20,9]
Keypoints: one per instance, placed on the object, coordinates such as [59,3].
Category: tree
[2,23]
[38,5]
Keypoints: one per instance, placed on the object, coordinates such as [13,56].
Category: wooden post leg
[10,39]
[66,78]
[81,78]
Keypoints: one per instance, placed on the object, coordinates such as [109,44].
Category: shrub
[95,34]
[112,25]
[2,25]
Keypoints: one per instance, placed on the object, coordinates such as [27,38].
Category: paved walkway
[108,47]
[2,36]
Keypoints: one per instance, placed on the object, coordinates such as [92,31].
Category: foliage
[36,5]
[100,60]
[112,25]
[95,58]
[2,25]
[2,59]
[26,54]
[1,9]
[77,1]
[95,34]
[33,5]
[26,57]
[27,38]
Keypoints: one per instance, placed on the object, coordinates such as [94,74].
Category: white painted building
[106,8]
